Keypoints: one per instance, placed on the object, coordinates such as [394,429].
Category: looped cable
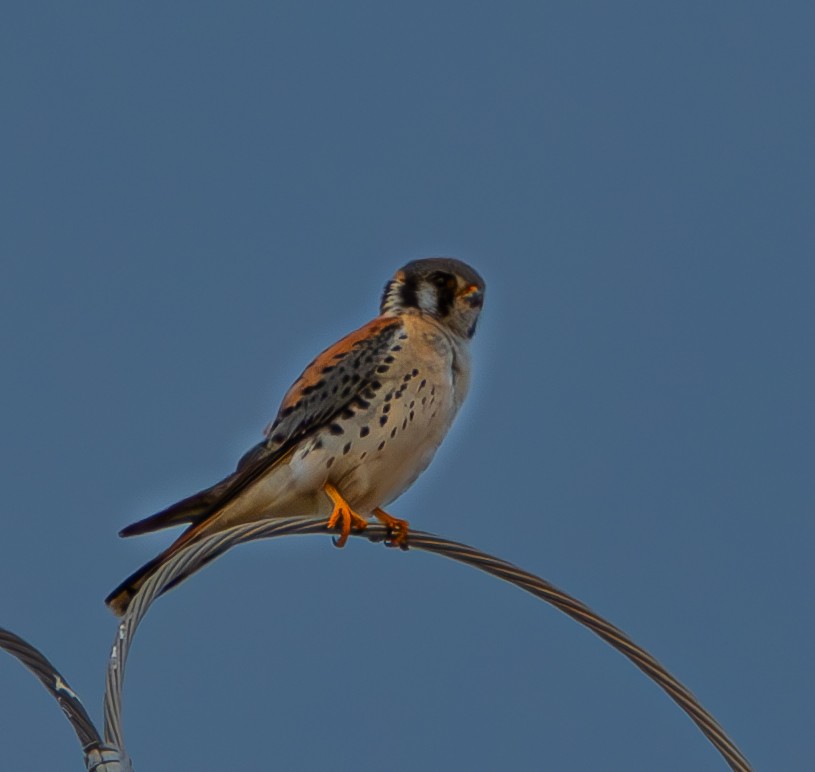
[193,557]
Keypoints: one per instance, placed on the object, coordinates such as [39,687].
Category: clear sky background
[199,196]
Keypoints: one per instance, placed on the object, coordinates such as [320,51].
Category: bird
[355,430]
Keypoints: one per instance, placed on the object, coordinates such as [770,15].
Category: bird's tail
[119,600]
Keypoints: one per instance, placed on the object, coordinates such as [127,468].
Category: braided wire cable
[196,555]
[98,756]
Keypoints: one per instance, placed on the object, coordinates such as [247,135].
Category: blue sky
[198,197]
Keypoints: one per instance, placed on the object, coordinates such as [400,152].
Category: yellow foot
[343,513]
[398,530]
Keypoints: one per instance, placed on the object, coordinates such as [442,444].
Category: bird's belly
[389,474]
[380,466]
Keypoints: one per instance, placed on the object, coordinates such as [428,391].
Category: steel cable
[196,555]
[98,756]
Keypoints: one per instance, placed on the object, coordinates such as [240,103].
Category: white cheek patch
[427,297]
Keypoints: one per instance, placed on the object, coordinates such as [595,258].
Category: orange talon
[342,512]
[398,530]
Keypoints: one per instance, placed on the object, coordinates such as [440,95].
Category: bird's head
[441,287]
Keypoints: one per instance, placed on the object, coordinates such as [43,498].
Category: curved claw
[398,529]
[343,514]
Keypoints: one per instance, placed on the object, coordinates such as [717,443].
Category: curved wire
[98,756]
[56,685]
[196,555]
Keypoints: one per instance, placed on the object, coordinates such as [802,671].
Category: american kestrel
[356,429]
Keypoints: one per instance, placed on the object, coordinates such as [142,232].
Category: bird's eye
[445,285]
[443,280]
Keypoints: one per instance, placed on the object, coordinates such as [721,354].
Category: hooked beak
[473,296]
